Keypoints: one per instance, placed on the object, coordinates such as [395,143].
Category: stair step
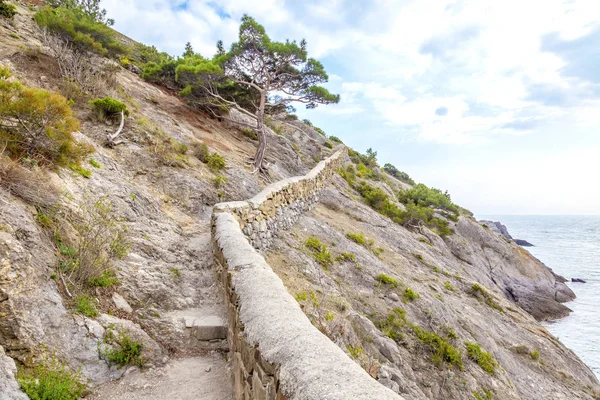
[208,327]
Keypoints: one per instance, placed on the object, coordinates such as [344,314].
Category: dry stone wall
[279,205]
[276,353]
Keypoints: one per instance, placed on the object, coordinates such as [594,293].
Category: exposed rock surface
[9,387]
[523,243]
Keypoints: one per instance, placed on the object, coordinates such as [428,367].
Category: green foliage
[95,163]
[108,107]
[346,257]
[51,381]
[216,162]
[387,280]
[441,349]
[200,151]
[219,180]
[449,286]
[250,133]
[535,355]
[335,139]
[128,352]
[394,324]
[90,8]
[358,238]
[7,10]
[402,176]
[175,273]
[302,296]
[423,196]
[320,252]
[86,173]
[427,242]
[479,292]
[487,395]
[106,279]
[86,305]
[355,351]
[410,295]
[484,359]
[328,145]
[38,123]
[80,29]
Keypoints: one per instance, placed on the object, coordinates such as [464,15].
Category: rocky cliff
[424,315]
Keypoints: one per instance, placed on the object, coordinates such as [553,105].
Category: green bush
[441,349]
[535,355]
[487,395]
[219,180]
[387,280]
[39,124]
[86,305]
[394,324]
[106,279]
[358,238]
[86,173]
[128,352]
[108,107]
[410,295]
[95,163]
[484,359]
[401,176]
[200,151]
[51,381]
[216,162]
[335,139]
[81,29]
[319,250]
[423,196]
[250,133]
[7,10]
[346,257]
[449,286]
[328,145]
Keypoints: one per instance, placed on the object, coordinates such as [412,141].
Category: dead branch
[111,137]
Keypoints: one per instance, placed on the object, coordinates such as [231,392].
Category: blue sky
[498,102]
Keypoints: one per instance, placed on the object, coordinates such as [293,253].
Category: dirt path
[195,378]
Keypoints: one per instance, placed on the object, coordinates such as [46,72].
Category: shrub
[335,139]
[86,173]
[423,196]
[402,176]
[219,180]
[128,352]
[108,107]
[442,351]
[100,239]
[105,279]
[7,10]
[320,252]
[449,286]
[394,324]
[215,161]
[346,257]
[487,395]
[410,295]
[484,359]
[388,280]
[250,133]
[95,163]
[85,305]
[535,355]
[358,238]
[81,29]
[32,185]
[38,123]
[200,151]
[51,381]
[328,145]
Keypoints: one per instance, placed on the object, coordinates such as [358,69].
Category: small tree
[279,72]
[189,50]
[90,8]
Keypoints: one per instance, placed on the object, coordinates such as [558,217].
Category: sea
[570,245]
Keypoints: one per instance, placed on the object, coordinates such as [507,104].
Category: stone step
[207,327]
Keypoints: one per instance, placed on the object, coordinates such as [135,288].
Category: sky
[497,102]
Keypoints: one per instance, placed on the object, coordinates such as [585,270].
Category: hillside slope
[163,195]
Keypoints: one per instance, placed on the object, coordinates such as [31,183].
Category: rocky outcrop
[523,243]
[276,352]
[497,227]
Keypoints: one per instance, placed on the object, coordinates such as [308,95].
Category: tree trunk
[262,135]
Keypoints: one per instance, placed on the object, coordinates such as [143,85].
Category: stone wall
[280,205]
[276,352]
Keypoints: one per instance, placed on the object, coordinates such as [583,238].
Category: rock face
[523,243]
[497,227]
[9,387]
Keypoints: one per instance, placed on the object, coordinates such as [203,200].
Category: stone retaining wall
[280,205]
[276,353]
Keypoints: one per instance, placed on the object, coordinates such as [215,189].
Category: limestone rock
[121,303]
[9,387]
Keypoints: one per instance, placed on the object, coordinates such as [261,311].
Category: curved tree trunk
[262,135]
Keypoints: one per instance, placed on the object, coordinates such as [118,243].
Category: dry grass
[29,184]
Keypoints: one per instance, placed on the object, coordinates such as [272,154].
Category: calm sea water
[570,245]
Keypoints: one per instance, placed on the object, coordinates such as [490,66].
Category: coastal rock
[578,280]
[523,243]
[497,227]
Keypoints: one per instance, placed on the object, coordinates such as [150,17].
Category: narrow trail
[196,336]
